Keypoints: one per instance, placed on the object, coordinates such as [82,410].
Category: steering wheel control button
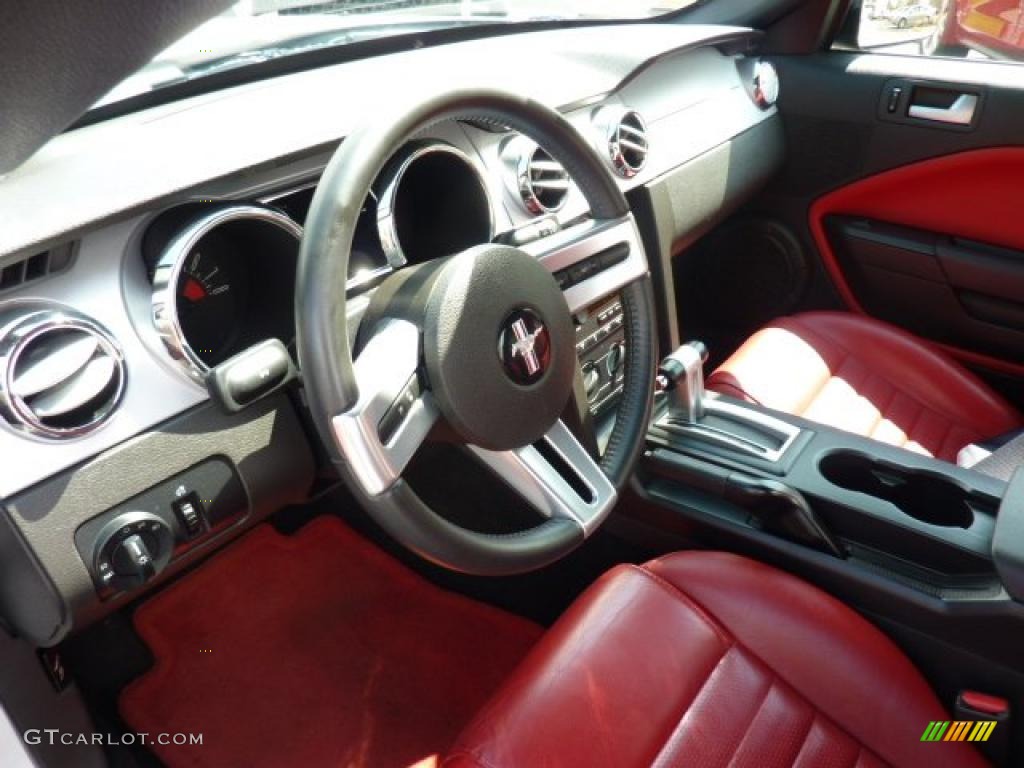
[250,375]
[525,347]
[396,414]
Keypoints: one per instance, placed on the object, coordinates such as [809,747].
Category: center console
[919,519]
[932,551]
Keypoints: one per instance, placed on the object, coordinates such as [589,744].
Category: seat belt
[1004,460]
[975,710]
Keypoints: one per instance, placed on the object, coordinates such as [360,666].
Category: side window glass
[973,29]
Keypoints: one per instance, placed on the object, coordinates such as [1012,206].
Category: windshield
[258,30]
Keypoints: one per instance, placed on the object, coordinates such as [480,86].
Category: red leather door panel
[977,195]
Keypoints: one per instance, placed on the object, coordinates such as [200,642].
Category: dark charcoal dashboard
[121,465]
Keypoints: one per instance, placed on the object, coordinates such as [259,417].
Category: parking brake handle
[782,510]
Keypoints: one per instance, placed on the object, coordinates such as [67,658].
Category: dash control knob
[130,550]
[616,357]
[591,380]
[132,558]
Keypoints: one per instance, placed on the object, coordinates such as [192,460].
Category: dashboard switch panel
[601,348]
[188,510]
[129,545]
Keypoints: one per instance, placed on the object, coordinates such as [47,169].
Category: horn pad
[499,347]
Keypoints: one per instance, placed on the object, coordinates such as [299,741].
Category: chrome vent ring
[540,181]
[62,375]
[544,184]
[627,144]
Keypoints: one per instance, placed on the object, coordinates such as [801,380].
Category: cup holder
[921,494]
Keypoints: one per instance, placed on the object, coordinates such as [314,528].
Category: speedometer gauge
[223,282]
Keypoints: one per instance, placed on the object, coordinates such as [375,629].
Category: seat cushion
[708,659]
[865,377]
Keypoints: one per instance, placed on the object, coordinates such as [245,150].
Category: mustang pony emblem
[524,347]
[525,344]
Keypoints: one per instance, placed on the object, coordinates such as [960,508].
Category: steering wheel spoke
[592,259]
[394,413]
[557,476]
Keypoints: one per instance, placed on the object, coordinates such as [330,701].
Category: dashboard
[169,241]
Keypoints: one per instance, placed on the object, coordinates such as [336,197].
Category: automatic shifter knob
[682,373]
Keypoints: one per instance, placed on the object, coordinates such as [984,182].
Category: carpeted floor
[315,650]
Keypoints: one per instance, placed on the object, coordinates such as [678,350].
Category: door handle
[960,112]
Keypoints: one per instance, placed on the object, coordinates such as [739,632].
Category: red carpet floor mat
[315,650]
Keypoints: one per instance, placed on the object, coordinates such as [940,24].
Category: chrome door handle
[960,112]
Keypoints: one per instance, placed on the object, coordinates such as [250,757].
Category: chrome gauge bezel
[167,273]
[387,225]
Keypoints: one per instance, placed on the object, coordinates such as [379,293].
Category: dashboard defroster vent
[16,273]
[61,374]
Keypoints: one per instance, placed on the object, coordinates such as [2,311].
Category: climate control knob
[591,380]
[130,550]
[616,357]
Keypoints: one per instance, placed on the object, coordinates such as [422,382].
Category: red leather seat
[866,377]
[708,659]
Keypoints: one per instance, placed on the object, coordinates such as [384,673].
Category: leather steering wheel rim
[325,354]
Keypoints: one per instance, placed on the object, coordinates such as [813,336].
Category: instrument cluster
[223,274]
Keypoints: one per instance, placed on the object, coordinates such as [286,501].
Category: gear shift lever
[682,374]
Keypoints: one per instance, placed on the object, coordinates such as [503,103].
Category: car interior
[489,383]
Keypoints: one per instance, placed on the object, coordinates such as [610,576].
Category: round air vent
[540,181]
[627,143]
[61,374]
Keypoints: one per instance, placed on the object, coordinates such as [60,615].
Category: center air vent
[61,374]
[540,181]
[626,137]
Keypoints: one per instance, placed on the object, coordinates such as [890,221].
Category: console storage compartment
[922,494]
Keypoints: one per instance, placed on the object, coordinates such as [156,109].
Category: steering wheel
[482,341]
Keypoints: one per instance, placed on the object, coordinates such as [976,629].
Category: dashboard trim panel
[571,246]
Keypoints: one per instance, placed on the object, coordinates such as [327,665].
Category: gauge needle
[194,290]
